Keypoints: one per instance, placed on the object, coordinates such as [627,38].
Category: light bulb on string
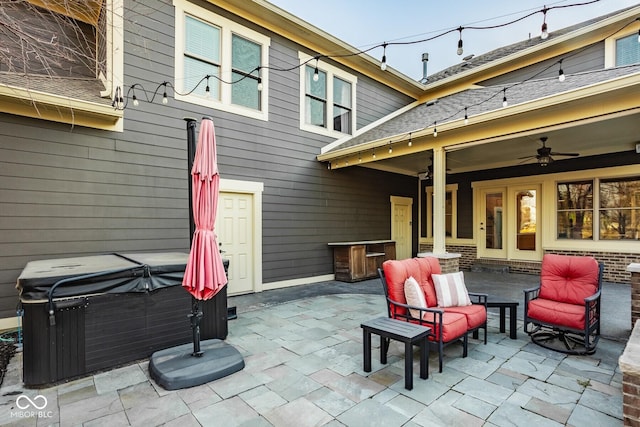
[359,158]
[207,91]
[374,153]
[545,32]
[390,148]
[410,143]
[329,165]
[459,51]
[315,72]
[435,130]
[383,64]
[504,98]
[561,76]
[466,117]
[260,87]
[165,100]
[135,101]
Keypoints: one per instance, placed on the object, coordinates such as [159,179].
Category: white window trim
[331,73]
[453,188]
[610,44]
[227,28]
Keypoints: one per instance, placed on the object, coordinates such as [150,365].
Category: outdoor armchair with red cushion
[563,312]
[448,324]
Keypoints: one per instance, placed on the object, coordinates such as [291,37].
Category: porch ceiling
[614,135]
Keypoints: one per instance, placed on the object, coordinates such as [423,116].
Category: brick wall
[615,263]
[630,367]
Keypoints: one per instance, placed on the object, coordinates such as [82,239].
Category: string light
[544,33]
[435,130]
[315,72]
[359,158]
[120,102]
[561,75]
[374,153]
[466,118]
[383,64]
[460,50]
[410,143]
[390,148]
[504,98]
[207,91]
[135,100]
[165,100]
[329,165]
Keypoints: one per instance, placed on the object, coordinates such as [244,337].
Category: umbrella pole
[196,306]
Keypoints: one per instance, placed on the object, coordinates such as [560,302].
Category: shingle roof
[503,51]
[482,100]
[76,88]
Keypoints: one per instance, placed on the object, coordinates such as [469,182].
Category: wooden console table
[353,261]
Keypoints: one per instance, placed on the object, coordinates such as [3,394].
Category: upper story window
[209,44]
[328,98]
[627,50]
[623,48]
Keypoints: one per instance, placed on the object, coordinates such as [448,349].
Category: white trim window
[327,98]
[235,57]
[623,48]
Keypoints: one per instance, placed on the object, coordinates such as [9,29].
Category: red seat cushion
[557,313]
[476,314]
[568,279]
[454,325]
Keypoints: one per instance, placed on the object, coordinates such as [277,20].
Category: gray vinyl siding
[589,58]
[70,191]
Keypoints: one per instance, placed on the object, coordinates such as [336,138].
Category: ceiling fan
[545,153]
[428,174]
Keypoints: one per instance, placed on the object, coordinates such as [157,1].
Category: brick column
[630,367]
[449,263]
[634,269]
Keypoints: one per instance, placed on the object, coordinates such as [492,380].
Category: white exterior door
[401,225]
[234,226]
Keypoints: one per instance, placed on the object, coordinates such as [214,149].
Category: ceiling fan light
[544,160]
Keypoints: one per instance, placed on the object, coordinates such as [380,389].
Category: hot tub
[91,313]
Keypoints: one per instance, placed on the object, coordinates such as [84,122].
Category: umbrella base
[175,368]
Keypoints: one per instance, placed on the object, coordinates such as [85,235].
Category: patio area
[303,353]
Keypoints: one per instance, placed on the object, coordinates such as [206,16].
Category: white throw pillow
[450,289]
[414,295]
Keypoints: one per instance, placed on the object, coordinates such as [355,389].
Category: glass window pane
[342,120]
[245,92]
[318,88]
[341,93]
[245,54]
[575,210]
[619,208]
[627,50]
[194,70]
[575,225]
[202,39]
[315,112]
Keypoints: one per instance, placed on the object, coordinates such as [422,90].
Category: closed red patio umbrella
[204,274]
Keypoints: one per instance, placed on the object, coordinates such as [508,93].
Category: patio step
[490,268]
